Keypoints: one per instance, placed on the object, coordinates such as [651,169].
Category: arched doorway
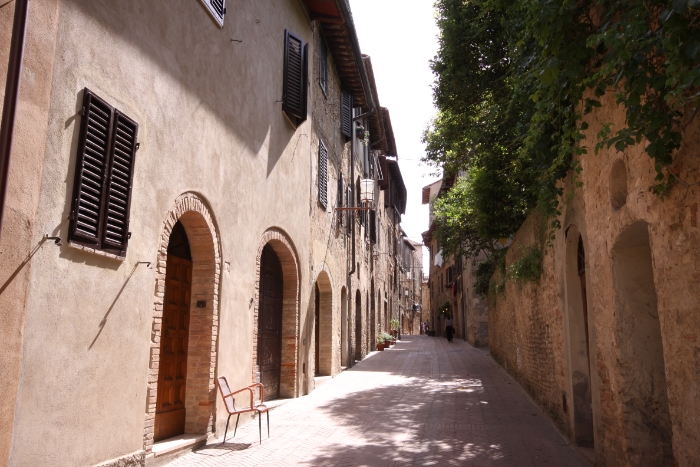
[323,325]
[358,326]
[272,327]
[270,322]
[646,416]
[185,324]
[579,340]
[344,350]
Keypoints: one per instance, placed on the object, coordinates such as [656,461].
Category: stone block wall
[616,333]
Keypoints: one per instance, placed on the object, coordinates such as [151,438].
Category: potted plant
[387,339]
[380,343]
[395,323]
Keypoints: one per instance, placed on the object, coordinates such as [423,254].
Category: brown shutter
[341,198]
[91,170]
[322,174]
[348,200]
[304,85]
[373,226]
[217,10]
[121,172]
[346,114]
[293,88]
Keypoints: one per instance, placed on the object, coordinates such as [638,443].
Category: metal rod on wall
[9,110]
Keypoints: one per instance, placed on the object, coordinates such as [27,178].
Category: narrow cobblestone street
[423,402]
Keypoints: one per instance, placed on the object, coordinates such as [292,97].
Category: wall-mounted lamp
[56,240]
[366,196]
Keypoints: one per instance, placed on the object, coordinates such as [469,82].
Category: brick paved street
[422,403]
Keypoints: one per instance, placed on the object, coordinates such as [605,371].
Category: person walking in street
[448,328]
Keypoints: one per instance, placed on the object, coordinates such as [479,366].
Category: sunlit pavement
[424,402]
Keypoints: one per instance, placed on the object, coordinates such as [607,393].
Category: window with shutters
[348,214]
[323,66]
[341,199]
[217,10]
[295,77]
[346,114]
[103,177]
[322,174]
[373,226]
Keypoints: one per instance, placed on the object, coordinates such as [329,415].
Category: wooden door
[270,323]
[317,334]
[172,371]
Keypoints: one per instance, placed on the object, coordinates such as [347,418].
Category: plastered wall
[209,123]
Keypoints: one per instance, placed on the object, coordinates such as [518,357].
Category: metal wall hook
[147,263]
[56,240]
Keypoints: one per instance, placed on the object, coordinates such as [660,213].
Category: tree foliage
[514,81]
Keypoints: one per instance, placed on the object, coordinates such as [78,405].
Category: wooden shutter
[217,10]
[373,226]
[322,174]
[293,93]
[341,198]
[304,85]
[346,114]
[103,177]
[121,173]
[348,199]
[323,66]
[91,170]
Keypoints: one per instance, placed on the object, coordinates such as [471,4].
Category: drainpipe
[9,110]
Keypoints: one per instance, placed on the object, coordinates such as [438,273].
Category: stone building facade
[211,227]
[607,340]
[451,283]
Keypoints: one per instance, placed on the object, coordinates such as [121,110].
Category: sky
[401,38]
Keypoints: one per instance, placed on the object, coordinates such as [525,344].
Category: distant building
[451,282]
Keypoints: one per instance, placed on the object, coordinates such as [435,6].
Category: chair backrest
[226,391]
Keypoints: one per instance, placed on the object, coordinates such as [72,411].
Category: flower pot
[380,347]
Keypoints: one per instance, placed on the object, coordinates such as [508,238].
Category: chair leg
[226,431]
[234,430]
[268,424]
[260,426]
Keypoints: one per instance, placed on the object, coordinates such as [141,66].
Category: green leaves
[514,79]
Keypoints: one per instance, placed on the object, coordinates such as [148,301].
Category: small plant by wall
[528,268]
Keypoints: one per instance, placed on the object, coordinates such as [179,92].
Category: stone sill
[78,246]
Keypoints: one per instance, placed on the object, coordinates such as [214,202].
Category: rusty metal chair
[233,409]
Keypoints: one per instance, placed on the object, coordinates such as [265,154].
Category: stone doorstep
[321,380]
[179,443]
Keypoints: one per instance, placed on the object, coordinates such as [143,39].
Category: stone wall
[475,307]
[608,340]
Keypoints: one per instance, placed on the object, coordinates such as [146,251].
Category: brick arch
[325,289]
[285,251]
[195,214]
